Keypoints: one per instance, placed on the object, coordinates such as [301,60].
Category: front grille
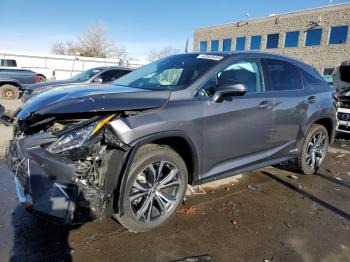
[22,172]
[344,116]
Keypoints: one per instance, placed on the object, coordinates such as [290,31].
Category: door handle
[312,99]
[266,104]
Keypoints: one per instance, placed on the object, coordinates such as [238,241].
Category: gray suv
[129,150]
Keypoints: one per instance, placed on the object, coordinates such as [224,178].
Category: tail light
[36,79]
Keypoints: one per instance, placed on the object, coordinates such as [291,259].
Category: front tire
[155,187]
[313,150]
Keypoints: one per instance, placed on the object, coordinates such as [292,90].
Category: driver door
[237,131]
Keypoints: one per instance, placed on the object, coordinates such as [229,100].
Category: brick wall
[322,56]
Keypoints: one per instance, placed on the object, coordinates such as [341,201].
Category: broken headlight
[77,137]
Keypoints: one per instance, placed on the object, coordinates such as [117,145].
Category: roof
[262,54]
[113,67]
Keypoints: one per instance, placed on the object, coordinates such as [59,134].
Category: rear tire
[155,188]
[9,92]
[313,150]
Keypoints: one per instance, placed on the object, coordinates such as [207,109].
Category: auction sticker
[211,57]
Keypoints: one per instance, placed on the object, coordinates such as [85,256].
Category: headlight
[77,137]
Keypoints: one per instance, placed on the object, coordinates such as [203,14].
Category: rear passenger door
[293,104]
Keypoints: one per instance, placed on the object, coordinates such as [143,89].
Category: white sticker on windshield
[211,57]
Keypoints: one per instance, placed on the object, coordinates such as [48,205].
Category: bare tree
[92,43]
[59,48]
[166,51]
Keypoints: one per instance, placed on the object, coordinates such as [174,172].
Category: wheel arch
[177,140]
[11,82]
[329,125]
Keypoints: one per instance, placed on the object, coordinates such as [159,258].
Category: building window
[328,71]
[203,46]
[226,45]
[255,42]
[272,41]
[313,37]
[338,34]
[214,45]
[240,43]
[292,39]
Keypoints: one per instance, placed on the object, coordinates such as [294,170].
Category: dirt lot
[267,215]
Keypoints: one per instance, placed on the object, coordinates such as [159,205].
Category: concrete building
[319,36]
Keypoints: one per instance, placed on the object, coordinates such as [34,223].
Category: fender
[122,177]
[10,81]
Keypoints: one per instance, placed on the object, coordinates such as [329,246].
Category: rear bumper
[43,182]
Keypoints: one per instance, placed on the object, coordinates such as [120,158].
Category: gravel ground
[269,215]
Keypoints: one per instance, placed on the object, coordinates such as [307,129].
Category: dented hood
[87,99]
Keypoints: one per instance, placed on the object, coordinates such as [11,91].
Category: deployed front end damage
[61,172]
[66,156]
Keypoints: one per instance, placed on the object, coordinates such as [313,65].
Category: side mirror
[234,89]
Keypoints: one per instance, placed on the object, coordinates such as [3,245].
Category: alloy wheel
[316,150]
[155,191]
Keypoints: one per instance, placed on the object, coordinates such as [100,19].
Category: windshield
[173,72]
[86,75]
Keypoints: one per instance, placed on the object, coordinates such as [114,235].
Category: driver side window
[246,71]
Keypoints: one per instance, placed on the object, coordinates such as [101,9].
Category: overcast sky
[140,26]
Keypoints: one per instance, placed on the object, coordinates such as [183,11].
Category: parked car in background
[98,75]
[344,112]
[14,80]
[129,149]
[341,77]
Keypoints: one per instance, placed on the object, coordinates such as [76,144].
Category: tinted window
[109,76]
[283,75]
[272,41]
[123,72]
[203,46]
[310,79]
[313,37]
[338,34]
[247,71]
[214,45]
[8,62]
[240,43]
[226,45]
[292,39]
[255,42]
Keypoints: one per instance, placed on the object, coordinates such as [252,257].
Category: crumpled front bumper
[44,182]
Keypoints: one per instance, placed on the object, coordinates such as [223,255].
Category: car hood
[87,99]
[53,83]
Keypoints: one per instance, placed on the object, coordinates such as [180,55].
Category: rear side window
[283,75]
[310,79]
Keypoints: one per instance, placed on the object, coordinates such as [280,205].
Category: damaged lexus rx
[129,150]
